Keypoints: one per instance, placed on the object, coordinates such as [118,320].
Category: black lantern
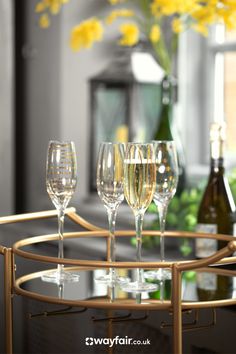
[125,101]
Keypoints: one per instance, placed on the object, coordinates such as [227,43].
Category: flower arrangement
[151,19]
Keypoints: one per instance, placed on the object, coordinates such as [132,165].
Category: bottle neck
[164,129]
[217,166]
[167,91]
[168,88]
[217,157]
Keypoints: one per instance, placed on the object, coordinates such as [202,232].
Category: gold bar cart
[13,285]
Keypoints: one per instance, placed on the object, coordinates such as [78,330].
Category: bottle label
[234,229]
[207,281]
[205,247]
[234,234]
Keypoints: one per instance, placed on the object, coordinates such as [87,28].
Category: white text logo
[116,341]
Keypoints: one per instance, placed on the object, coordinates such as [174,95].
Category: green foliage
[189,276]
[182,213]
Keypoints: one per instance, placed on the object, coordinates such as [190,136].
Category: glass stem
[162,210]
[139,227]
[61,291]
[61,216]
[112,222]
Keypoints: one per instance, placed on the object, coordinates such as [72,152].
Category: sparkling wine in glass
[139,188]
[110,187]
[61,180]
[166,184]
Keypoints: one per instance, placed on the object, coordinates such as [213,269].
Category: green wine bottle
[216,215]
[166,129]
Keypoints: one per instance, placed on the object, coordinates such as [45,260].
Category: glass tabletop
[197,287]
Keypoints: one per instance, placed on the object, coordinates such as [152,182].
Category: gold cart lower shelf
[96,295]
[114,298]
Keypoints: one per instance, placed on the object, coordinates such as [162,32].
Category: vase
[166,129]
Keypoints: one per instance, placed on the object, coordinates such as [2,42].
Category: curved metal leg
[177,310]
[8,273]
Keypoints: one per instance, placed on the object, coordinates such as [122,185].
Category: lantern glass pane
[110,119]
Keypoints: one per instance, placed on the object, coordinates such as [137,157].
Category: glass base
[59,277]
[109,280]
[138,287]
[161,274]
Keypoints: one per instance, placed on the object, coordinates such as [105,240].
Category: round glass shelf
[201,287]
[214,287]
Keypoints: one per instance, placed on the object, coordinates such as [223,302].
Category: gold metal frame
[176,305]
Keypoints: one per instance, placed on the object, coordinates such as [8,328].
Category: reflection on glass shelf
[211,286]
[196,286]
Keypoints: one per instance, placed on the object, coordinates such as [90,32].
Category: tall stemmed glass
[110,176]
[61,180]
[166,184]
[139,188]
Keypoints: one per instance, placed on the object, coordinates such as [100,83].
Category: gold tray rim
[17,249]
[125,304]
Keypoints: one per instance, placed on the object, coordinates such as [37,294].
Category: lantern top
[131,65]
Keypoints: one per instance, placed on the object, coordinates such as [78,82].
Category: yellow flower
[115,2]
[201,28]
[118,13]
[155,34]
[230,5]
[163,7]
[177,25]
[44,21]
[40,7]
[230,21]
[205,15]
[54,6]
[181,14]
[130,34]
[86,33]
[167,7]
[155,9]
[171,7]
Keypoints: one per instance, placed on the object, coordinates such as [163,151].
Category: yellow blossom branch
[147,20]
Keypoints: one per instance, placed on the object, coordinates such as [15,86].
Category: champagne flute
[110,176]
[166,184]
[139,188]
[61,180]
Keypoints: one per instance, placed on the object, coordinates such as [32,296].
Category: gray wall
[6,107]
[57,94]
[43,94]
